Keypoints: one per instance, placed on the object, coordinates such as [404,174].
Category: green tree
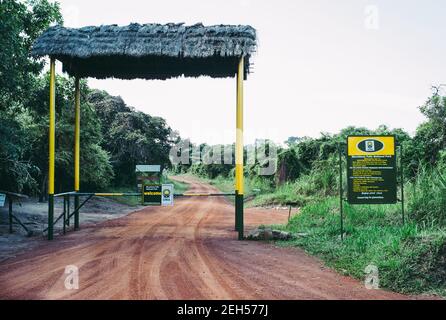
[430,137]
[96,170]
[21,22]
[131,137]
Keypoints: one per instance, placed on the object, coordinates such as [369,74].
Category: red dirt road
[188,251]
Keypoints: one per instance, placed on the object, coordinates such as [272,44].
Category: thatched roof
[148,51]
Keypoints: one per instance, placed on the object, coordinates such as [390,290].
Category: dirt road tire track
[188,251]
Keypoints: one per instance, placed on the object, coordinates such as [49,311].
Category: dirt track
[187,251]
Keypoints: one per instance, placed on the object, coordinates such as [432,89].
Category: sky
[321,65]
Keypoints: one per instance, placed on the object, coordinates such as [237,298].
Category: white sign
[2,199]
[167,195]
[148,168]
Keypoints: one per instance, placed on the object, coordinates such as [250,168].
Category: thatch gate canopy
[149,51]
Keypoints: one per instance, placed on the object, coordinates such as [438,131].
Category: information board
[152,194]
[371,170]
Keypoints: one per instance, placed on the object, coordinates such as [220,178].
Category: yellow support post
[77,150]
[239,179]
[51,147]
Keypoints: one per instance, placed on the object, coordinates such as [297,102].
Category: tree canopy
[114,136]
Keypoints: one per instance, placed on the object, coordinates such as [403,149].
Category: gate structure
[148,51]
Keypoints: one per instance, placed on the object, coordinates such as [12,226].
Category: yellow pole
[239,185]
[77,136]
[239,181]
[51,147]
[77,151]
[52,125]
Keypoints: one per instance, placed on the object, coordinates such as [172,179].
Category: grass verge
[410,259]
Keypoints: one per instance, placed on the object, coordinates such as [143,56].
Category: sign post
[371,172]
[341,193]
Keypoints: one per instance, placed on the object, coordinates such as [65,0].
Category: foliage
[20,24]
[132,137]
[114,137]
[410,258]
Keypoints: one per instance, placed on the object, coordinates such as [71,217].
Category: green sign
[371,170]
[152,194]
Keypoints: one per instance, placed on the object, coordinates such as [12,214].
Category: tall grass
[410,258]
[427,198]
[321,181]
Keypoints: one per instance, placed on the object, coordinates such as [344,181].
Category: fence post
[402,183]
[64,213]
[341,205]
[10,213]
[68,210]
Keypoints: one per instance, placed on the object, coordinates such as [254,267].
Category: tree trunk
[43,188]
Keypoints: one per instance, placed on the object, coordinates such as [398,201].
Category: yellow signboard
[371,145]
[371,169]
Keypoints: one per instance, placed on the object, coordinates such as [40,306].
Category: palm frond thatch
[148,51]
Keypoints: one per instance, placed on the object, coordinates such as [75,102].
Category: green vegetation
[411,258]
[130,201]
[114,136]
[178,186]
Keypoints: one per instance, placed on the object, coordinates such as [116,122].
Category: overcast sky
[321,65]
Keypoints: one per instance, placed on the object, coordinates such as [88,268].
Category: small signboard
[167,195]
[148,168]
[2,199]
[371,170]
[152,194]
[147,174]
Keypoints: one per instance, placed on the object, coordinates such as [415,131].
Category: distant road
[188,251]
